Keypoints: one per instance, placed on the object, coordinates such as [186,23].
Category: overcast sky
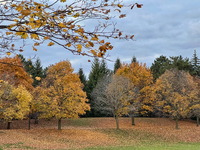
[161,27]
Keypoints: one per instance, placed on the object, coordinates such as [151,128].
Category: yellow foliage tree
[60,22]
[195,104]
[11,70]
[14,102]
[176,90]
[142,78]
[60,94]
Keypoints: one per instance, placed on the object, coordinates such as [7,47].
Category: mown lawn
[100,133]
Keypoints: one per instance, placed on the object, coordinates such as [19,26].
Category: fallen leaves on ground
[90,132]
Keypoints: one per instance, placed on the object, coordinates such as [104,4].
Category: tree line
[170,87]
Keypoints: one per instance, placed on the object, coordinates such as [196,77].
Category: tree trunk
[197,121]
[36,120]
[8,126]
[133,119]
[59,124]
[176,123]
[117,121]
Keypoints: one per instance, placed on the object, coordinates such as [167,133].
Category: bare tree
[113,96]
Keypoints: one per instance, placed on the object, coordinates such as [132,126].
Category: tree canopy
[61,94]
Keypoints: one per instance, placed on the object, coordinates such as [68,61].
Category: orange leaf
[34,48]
[50,44]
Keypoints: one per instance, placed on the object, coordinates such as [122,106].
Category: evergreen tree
[195,61]
[28,65]
[38,72]
[82,78]
[134,59]
[162,64]
[117,65]
[34,69]
[99,69]
[159,66]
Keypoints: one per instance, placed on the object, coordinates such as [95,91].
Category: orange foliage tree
[60,94]
[176,90]
[11,70]
[60,22]
[142,78]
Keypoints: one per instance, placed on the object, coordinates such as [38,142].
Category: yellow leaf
[94,39]
[50,44]
[8,33]
[34,48]
[120,6]
[79,50]
[68,44]
[35,36]
[46,38]
[8,53]
[79,46]
[64,30]
[87,45]
[13,45]
[38,78]
[25,12]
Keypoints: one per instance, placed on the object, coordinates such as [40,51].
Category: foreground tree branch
[62,23]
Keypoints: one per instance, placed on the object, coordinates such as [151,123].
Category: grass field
[100,133]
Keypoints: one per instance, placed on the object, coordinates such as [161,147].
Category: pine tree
[134,59]
[117,65]
[195,64]
[82,78]
[38,72]
[34,69]
[99,69]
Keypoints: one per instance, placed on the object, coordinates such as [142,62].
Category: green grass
[15,145]
[178,146]
[83,122]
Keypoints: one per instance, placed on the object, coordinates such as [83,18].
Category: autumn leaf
[8,53]
[25,12]
[120,6]
[139,5]
[122,16]
[79,46]
[46,38]
[34,48]
[94,39]
[68,44]
[50,44]
[91,44]
[36,44]
[38,78]
[132,37]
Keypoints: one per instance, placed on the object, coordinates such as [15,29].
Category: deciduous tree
[195,104]
[141,77]
[60,22]
[14,102]
[175,93]
[61,94]
[11,70]
[113,96]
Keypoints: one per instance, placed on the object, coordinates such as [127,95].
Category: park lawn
[100,133]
